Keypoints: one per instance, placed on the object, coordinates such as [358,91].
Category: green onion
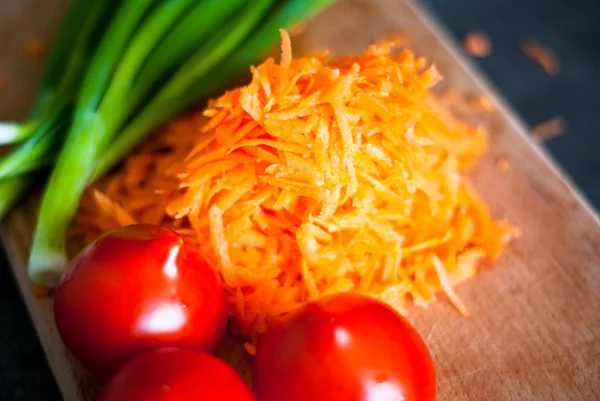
[72,26]
[80,150]
[189,33]
[32,154]
[286,15]
[117,102]
[210,53]
[11,132]
[64,70]
[13,190]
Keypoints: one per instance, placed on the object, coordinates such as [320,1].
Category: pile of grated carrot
[322,175]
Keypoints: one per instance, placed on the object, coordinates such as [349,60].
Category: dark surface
[570,27]
[24,372]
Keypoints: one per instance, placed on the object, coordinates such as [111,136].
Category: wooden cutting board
[535,330]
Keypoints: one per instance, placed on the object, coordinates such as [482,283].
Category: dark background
[569,27]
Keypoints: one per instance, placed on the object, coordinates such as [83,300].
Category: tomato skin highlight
[343,347]
[139,287]
[173,374]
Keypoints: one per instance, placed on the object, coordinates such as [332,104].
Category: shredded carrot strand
[542,55]
[549,129]
[477,44]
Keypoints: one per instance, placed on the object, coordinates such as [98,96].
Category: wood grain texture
[535,330]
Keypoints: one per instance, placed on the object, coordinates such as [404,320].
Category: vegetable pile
[323,175]
[117,71]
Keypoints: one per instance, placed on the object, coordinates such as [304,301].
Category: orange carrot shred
[286,49]
[481,102]
[478,44]
[549,129]
[322,175]
[36,47]
[41,291]
[542,55]
[503,164]
[250,348]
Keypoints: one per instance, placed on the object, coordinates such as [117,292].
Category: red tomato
[176,375]
[343,347]
[137,288]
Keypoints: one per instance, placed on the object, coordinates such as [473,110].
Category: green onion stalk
[71,27]
[63,69]
[74,25]
[79,152]
[42,135]
[187,36]
[27,156]
[12,132]
[14,185]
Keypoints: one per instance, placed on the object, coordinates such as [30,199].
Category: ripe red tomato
[137,288]
[343,347]
[176,375]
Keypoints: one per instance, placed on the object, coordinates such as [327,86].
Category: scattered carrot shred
[481,102]
[549,129]
[286,49]
[41,291]
[400,40]
[250,348]
[477,44]
[503,164]
[542,55]
[465,104]
[298,29]
[321,175]
[36,47]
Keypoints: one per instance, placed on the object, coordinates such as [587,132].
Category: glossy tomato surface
[343,347]
[176,375]
[137,288]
